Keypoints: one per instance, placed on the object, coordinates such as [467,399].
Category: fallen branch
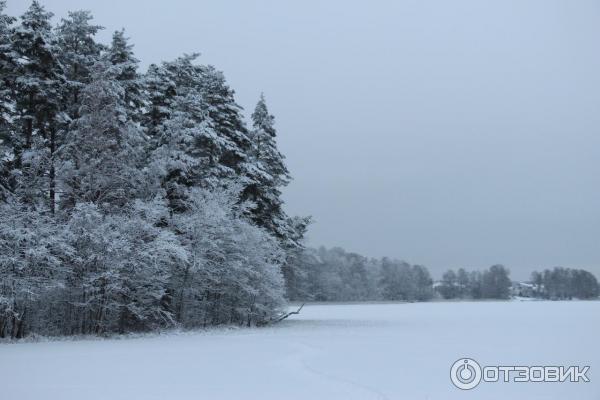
[284,316]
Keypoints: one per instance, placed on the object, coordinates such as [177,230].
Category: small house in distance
[523,289]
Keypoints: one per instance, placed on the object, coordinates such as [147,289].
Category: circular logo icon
[465,373]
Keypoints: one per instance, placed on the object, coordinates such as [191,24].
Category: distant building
[523,289]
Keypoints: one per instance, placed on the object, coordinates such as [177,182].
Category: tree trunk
[179,314]
[29,124]
[21,327]
[52,176]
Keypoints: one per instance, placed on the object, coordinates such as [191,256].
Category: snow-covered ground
[368,351]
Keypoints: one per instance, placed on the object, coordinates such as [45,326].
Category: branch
[284,316]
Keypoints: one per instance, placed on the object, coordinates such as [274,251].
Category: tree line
[493,283]
[336,275]
[565,283]
[556,284]
[131,201]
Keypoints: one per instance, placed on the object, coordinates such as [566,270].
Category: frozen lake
[367,351]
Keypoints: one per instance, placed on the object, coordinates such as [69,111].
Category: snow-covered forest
[556,284]
[131,200]
[136,200]
[336,275]
[565,283]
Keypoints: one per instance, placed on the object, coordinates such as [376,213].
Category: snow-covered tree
[495,283]
[584,285]
[566,283]
[226,116]
[196,128]
[8,136]
[337,275]
[187,152]
[120,54]
[423,284]
[159,90]
[462,282]
[268,175]
[78,51]
[271,174]
[104,150]
[230,276]
[38,92]
[492,284]
[293,266]
[120,269]
[32,257]
[8,65]
[448,287]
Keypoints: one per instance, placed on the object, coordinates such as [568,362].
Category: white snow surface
[355,351]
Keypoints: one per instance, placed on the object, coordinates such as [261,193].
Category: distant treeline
[565,283]
[493,283]
[556,284]
[337,275]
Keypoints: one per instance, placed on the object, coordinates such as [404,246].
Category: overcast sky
[446,133]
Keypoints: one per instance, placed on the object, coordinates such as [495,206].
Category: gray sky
[462,133]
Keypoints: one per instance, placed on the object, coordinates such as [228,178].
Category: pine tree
[104,152]
[268,176]
[8,65]
[193,122]
[78,52]
[38,91]
[265,147]
[228,122]
[186,152]
[159,89]
[272,174]
[8,138]
[293,246]
[120,54]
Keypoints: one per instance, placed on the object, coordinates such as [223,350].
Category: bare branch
[284,316]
